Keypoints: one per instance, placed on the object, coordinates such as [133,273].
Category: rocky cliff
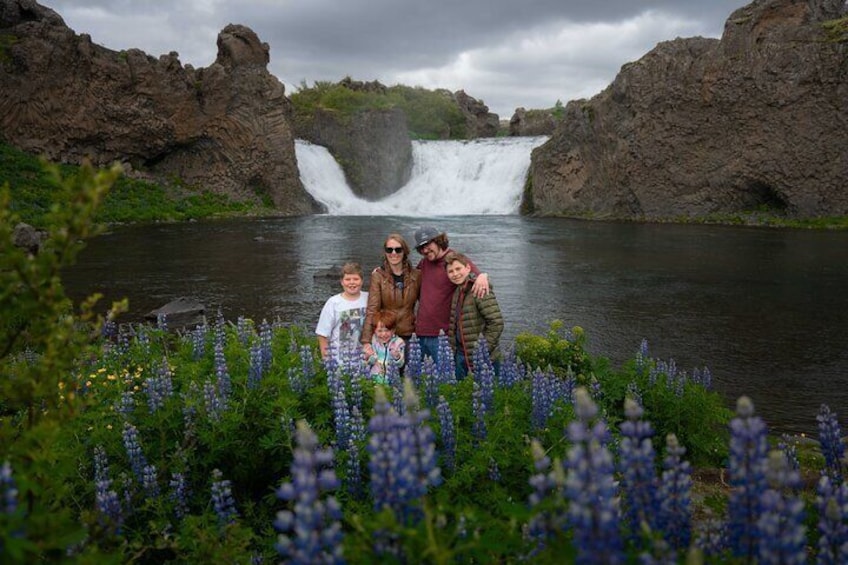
[479,122]
[223,128]
[758,119]
[371,146]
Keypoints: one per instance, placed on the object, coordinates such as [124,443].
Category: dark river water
[766,310]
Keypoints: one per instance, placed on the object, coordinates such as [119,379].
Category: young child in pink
[388,347]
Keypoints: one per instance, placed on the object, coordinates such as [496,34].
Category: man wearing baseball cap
[437,289]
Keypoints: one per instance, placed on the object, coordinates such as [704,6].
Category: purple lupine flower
[634,392]
[832,504]
[355,393]
[223,383]
[541,398]
[126,404]
[674,518]
[143,340]
[702,377]
[213,402]
[511,369]
[547,499]
[307,365]
[642,357]
[747,468]
[446,364]
[403,460]
[494,470]
[105,498]
[198,341]
[353,476]
[591,488]
[254,371]
[179,494]
[244,330]
[384,458]
[830,440]
[422,442]
[222,499]
[712,536]
[356,430]
[296,380]
[781,523]
[159,388]
[266,336]
[595,391]
[109,331]
[413,360]
[149,482]
[789,447]
[428,367]
[311,531]
[162,322]
[134,452]
[341,414]
[8,489]
[478,408]
[448,434]
[484,374]
[636,465]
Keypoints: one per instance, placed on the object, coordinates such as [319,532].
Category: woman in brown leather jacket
[394,286]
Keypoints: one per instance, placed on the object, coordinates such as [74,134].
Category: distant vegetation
[34,192]
[431,114]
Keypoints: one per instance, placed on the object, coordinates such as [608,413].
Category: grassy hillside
[431,114]
[34,190]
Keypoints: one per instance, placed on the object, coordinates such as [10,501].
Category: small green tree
[41,336]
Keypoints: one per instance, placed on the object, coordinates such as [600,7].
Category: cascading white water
[449,178]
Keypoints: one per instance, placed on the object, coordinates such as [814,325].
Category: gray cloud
[507,53]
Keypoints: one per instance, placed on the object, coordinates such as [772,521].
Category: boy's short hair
[351,268]
[387,317]
[453,256]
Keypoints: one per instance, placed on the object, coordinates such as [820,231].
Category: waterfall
[449,178]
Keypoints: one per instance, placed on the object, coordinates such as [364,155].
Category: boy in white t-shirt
[343,314]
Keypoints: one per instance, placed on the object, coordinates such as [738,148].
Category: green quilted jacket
[476,316]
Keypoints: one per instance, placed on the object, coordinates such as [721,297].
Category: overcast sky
[507,53]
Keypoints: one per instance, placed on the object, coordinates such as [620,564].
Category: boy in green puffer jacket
[470,316]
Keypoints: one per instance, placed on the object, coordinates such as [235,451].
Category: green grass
[33,192]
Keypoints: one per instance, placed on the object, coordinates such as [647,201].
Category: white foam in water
[449,178]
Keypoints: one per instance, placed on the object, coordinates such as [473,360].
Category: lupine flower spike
[310,532]
[591,488]
[747,467]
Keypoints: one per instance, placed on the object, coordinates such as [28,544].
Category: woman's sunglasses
[397,250]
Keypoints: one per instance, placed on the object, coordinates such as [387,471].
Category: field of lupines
[233,443]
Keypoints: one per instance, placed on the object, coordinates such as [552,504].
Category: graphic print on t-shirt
[350,328]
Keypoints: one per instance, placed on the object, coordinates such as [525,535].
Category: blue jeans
[461,370]
[429,347]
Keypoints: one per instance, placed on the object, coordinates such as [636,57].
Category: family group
[444,293]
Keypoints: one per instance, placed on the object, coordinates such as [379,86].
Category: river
[766,310]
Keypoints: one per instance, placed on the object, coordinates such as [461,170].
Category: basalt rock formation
[756,120]
[532,122]
[371,146]
[224,128]
[479,122]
